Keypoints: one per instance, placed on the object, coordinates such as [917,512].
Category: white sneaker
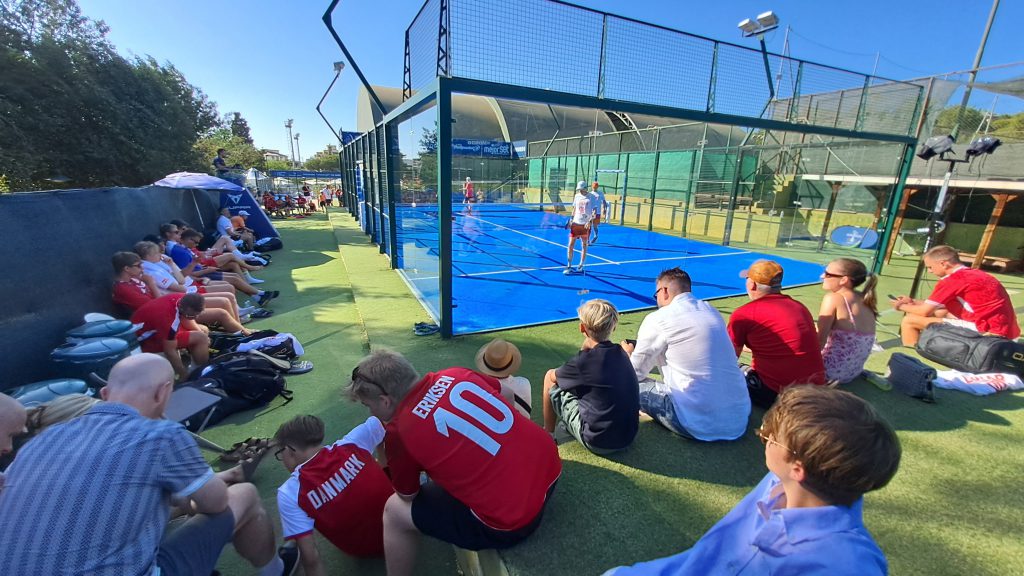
[252,280]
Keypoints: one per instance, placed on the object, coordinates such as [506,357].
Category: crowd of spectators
[462,460]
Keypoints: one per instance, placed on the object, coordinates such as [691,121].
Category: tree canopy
[74,111]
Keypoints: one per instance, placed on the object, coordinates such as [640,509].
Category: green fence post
[737,177]
[892,208]
[654,188]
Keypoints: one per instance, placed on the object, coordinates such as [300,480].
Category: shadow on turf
[951,410]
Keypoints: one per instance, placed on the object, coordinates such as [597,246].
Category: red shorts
[155,345]
[208,262]
[469,199]
[578,231]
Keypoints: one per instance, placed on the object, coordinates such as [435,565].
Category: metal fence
[552,45]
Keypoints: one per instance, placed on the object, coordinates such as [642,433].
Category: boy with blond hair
[595,393]
[824,449]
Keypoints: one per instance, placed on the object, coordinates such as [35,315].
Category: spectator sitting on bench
[962,297]
[491,470]
[595,393]
[222,245]
[824,449]
[502,360]
[119,467]
[133,288]
[351,517]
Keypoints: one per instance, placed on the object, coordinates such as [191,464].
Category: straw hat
[498,358]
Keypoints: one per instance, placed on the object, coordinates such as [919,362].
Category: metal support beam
[444,24]
[328,21]
[444,204]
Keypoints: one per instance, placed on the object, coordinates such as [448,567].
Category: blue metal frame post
[444,203]
[391,138]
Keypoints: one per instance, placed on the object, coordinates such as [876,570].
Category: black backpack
[224,343]
[248,377]
[966,350]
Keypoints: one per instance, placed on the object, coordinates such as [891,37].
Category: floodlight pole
[974,69]
[338,68]
[936,224]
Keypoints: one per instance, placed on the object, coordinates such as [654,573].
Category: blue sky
[272,60]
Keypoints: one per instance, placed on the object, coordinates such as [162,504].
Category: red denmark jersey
[132,293]
[455,426]
[976,296]
[341,493]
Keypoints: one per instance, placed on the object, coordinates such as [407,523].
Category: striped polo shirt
[91,496]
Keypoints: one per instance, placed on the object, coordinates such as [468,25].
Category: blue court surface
[508,263]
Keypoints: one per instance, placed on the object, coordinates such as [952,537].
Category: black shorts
[438,514]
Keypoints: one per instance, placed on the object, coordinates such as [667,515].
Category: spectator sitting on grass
[491,470]
[502,360]
[119,466]
[824,449]
[702,394]
[168,324]
[202,267]
[190,239]
[133,288]
[226,228]
[350,514]
[595,393]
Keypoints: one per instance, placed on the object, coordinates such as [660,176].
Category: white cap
[582,185]
[243,213]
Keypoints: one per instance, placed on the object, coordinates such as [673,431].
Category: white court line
[606,263]
[532,236]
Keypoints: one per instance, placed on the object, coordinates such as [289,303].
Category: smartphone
[631,342]
[891,297]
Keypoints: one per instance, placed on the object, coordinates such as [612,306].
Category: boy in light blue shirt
[824,448]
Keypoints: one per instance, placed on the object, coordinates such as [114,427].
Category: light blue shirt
[758,538]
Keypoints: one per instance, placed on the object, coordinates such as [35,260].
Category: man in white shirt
[703,394]
[579,225]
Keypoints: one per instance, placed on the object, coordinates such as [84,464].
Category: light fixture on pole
[288,125]
[764,22]
[298,150]
[338,68]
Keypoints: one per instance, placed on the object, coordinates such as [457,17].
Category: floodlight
[768,19]
[983,145]
[935,146]
[749,26]
[339,66]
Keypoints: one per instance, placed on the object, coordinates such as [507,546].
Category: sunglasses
[827,274]
[767,439]
[658,291]
[356,375]
[279,451]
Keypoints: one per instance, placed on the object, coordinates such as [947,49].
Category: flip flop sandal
[426,330]
[300,367]
[249,465]
[248,448]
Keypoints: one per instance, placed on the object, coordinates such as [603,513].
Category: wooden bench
[993,262]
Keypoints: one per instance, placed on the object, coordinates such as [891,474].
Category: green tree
[970,121]
[324,161]
[71,106]
[427,160]
[239,127]
[278,165]
[1008,128]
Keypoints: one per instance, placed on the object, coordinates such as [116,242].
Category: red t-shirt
[456,426]
[782,339]
[132,293]
[468,191]
[161,315]
[976,296]
[341,492]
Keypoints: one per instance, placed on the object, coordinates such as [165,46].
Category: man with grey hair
[595,393]
[91,496]
[491,470]
[780,333]
[702,394]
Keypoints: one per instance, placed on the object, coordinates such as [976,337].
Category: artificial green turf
[954,507]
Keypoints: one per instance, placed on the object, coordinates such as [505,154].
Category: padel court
[508,262]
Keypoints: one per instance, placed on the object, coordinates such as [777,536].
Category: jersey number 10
[478,419]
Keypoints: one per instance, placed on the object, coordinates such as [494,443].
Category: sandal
[300,367]
[249,465]
[248,448]
[426,330]
[262,313]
